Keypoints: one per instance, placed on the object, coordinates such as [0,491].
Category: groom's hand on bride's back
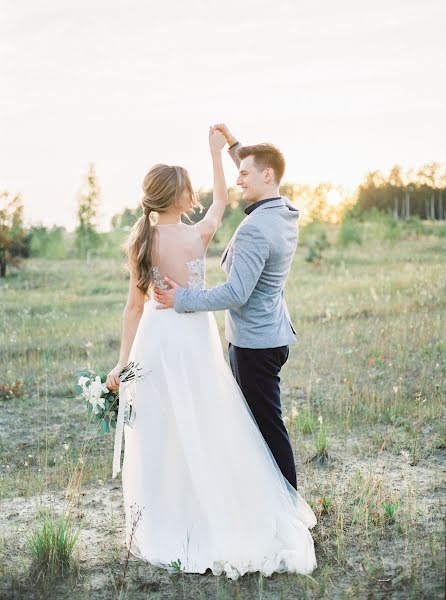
[165,297]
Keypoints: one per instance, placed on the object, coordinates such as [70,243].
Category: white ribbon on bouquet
[124,391]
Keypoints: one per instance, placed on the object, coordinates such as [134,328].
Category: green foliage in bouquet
[102,404]
[103,409]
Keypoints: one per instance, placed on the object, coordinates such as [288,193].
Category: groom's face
[253,182]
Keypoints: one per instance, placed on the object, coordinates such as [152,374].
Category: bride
[201,487]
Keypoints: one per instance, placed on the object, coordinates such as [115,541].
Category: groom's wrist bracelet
[232,146]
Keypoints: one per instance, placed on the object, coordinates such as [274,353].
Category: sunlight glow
[333,197]
[143,88]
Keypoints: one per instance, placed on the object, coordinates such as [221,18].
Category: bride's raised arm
[208,225]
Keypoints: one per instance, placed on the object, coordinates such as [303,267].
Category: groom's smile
[256,180]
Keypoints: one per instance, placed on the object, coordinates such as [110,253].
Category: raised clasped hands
[217,140]
[219,136]
[230,139]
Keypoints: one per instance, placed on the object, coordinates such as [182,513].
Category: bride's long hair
[162,187]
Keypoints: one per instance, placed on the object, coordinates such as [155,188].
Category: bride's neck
[168,218]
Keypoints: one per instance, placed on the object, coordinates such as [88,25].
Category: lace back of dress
[178,254]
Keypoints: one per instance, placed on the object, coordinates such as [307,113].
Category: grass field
[371,361]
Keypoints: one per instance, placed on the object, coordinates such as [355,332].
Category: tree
[86,234]
[429,177]
[412,193]
[126,219]
[12,233]
[47,243]
[396,182]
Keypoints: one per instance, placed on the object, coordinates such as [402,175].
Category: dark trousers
[257,374]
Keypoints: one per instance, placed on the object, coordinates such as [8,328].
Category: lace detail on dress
[159,283]
[196,269]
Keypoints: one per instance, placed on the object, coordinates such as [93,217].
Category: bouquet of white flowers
[101,402]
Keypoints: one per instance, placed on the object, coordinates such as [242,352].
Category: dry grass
[371,361]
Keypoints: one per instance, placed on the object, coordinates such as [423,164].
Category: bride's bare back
[179,253]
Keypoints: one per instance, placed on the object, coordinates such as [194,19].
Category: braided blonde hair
[162,187]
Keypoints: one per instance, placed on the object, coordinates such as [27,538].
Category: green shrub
[316,247]
[415,226]
[310,231]
[305,421]
[349,233]
[390,510]
[48,243]
[392,229]
[440,231]
[52,544]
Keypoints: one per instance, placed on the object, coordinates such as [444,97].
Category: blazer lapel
[226,250]
[225,254]
[279,202]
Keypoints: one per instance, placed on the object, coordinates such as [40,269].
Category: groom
[257,261]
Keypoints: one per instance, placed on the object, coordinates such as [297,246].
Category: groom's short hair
[265,155]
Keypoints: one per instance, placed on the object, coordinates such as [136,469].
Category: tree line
[401,194]
[405,194]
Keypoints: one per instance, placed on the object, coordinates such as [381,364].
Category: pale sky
[341,87]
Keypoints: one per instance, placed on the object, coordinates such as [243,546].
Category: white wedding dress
[209,491]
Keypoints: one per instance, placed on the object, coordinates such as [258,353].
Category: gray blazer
[257,261]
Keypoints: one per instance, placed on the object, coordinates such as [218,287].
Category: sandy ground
[420,487]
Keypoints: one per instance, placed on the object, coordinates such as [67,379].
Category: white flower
[395,388]
[93,394]
[99,386]
[320,419]
[294,412]
[82,381]
[405,453]
[97,403]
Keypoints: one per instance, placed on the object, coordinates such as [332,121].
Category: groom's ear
[269,175]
